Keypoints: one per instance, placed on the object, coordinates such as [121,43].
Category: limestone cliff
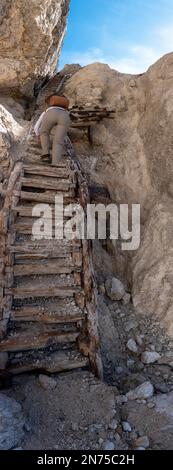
[31,35]
[133,152]
[12,129]
[132,156]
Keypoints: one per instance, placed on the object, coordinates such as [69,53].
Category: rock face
[152,272]
[131,155]
[11,422]
[31,37]
[11,131]
[133,158]
[121,163]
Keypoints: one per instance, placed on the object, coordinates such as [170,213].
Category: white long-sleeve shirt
[38,123]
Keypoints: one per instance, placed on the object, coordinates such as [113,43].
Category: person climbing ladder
[56,114]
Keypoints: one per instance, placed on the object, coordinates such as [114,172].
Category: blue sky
[129,35]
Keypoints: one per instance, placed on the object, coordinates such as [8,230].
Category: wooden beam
[51,363]
[39,248]
[49,171]
[36,314]
[41,291]
[46,197]
[62,185]
[44,268]
[42,256]
[26,342]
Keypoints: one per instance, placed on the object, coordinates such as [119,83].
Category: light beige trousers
[60,119]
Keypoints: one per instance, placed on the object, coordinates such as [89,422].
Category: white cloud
[145,53]
[91,55]
[136,59]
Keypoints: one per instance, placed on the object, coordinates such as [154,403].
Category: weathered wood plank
[33,314]
[42,256]
[44,268]
[58,249]
[46,197]
[25,228]
[28,211]
[41,291]
[62,185]
[57,362]
[25,342]
[48,171]
[67,262]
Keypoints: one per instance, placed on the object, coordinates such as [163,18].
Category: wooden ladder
[48,294]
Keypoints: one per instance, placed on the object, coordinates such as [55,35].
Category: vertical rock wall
[131,156]
[31,35]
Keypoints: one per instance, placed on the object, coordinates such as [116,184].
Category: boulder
[108,445]
[144,391]
[126,426]
[132,346]
[115,289]
[132,380]
[142,442]
[150,357]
